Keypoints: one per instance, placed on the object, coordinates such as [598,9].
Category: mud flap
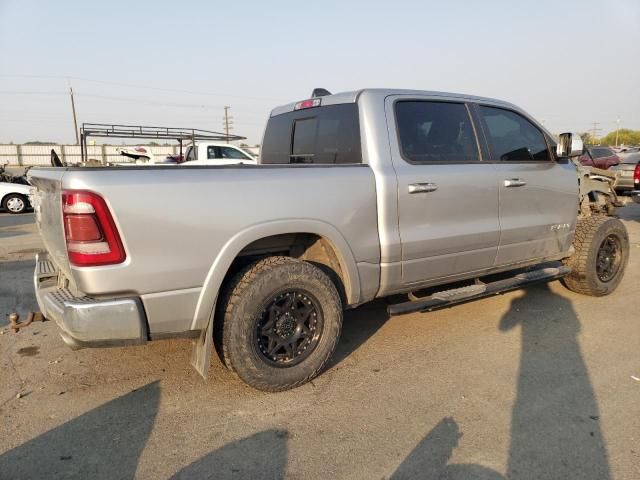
[201,352]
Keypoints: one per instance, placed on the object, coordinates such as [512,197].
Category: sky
[568,63]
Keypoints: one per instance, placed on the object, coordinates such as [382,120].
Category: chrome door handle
[422,187]
[514,182]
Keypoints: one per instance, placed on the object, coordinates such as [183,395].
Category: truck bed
[177,224]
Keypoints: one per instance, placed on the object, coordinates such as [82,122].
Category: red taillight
[91,234]
[636,176]
[313,102]
[82,228]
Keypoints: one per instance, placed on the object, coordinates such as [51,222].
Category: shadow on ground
[105,442]
[263,455]
[630,212]
[555,426]
[359,327]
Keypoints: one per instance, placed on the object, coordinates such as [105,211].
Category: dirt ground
[535,384]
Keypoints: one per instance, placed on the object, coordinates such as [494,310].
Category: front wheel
[601,255]
[15,203]
[281,322]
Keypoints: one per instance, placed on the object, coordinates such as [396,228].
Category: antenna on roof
[320,92]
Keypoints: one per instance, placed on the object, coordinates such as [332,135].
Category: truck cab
[464,184]
[217,153]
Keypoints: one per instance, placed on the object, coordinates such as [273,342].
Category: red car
[599,157]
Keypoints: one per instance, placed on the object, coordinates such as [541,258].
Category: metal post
[226,121]
[19,154]
[617,130]
[75,120]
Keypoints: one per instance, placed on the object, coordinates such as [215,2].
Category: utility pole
[595,130]
[75,120]
[227,121]
[617,130]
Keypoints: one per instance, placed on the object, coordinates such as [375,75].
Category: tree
[625,137]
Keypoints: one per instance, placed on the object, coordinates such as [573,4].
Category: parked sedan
[14,197]
[599,157]
[628,181]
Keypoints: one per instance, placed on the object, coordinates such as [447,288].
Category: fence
[32,155]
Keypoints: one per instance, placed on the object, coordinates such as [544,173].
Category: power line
[13,92]
[144,87]
[132,100]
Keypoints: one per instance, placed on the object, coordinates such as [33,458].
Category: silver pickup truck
[357,195]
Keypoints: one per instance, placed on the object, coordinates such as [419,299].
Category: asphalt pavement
[534,384]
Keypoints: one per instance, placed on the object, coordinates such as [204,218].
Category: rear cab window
[325,135]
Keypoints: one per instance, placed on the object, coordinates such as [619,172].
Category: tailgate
[47,183]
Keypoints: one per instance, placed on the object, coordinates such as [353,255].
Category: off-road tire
[591,232]
[11,196]
[244,303]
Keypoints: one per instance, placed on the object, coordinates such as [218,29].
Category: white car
[217,153]
[14,197]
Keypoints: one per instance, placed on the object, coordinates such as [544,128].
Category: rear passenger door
[538,195]
[447,196]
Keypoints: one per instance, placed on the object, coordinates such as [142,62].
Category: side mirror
[569,145]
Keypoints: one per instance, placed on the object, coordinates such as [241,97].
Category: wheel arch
[312,240]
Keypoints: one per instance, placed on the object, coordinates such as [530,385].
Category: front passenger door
[538,195]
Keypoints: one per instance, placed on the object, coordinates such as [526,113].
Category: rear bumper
[623,184]
[85,321]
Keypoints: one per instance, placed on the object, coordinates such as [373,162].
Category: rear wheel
[15,203]
[601,254]
[282,318]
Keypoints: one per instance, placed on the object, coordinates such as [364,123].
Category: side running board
[447,298]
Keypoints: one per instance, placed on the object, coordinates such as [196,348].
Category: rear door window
[212,153]
[321,135]
[513,138]
[435,132]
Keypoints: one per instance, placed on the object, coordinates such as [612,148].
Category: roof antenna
[319,92]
